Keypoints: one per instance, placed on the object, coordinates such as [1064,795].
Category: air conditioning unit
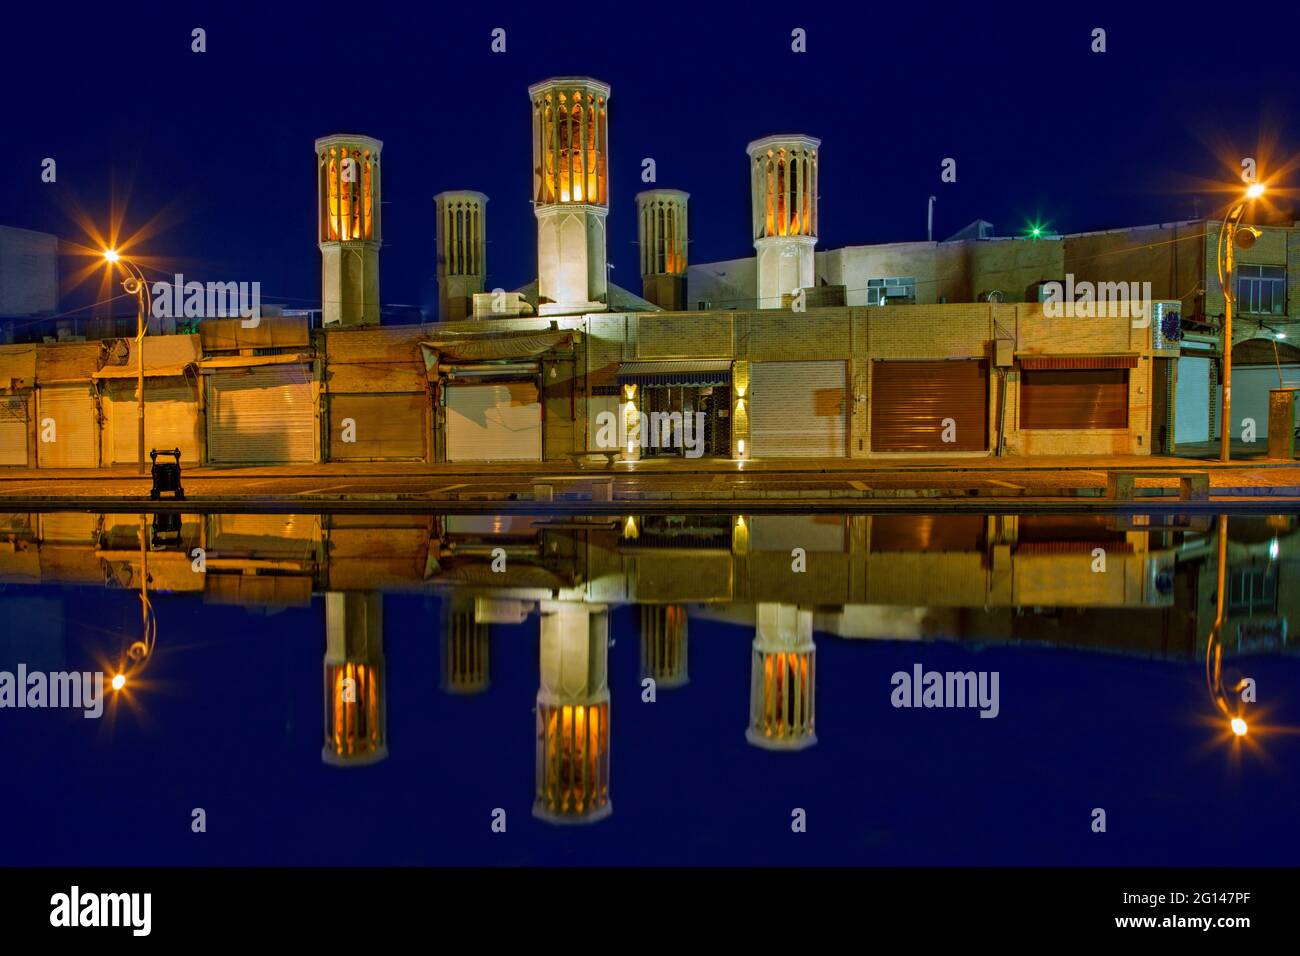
[1167,326]
[1158,579]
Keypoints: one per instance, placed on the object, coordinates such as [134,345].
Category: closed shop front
[1192,399]
[1250,388]
[500,421]
[915,406]
[376,395]
[13,429]
[17,376]
[69,419]
[380,427]
[261,415]
[798,410]
[1075,393]
[171,419]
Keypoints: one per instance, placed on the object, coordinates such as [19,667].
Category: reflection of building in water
[783,679]
[465,647]
[664,644]
[573,714]
[356,732]
[1012,578]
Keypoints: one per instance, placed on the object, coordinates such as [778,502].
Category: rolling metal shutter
[911,400]
[597,427]
[497,422]
[171,419]
[13,430]
[1054,398]
[797,410]
[1192,400]
[1250,388]
[261,416]
[387,427]
[76,426]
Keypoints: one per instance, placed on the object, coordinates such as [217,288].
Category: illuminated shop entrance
[685,407]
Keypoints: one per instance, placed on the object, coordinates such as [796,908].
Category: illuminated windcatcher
[662,231]
[355,712]
[573,740]
[783,680]
[348,188]
[664,635]
[784,186]
[570,141]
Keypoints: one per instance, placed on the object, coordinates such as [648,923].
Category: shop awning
[150,371]
[453,350]
[249,361]
[1033,362]
[694,373]
[164,356]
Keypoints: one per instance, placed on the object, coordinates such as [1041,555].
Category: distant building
[29,279]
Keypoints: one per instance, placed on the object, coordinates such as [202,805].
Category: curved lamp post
[135,284]
[1223,260]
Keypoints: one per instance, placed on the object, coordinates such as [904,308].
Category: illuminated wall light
[740,536]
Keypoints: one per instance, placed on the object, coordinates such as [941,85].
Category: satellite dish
[1245,237]
[131,285]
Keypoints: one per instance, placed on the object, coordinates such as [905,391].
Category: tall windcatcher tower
[462,251]
[570,193]
[783,679]
[783,182]
[661,231]
[348,228]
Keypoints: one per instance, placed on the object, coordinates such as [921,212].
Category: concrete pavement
[964,482]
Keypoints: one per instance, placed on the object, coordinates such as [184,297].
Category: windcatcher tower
[348,228]
[783,183]
[662,234]
[783,679]
[570,193]
[462,251]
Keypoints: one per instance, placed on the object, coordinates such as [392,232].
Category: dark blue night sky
[219,145]
[233,725]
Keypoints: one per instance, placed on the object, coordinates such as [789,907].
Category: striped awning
[694,373]
[1077,361]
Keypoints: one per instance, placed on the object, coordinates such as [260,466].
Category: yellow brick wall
[928,331]
[783,335]
[1270,249]
[683,335]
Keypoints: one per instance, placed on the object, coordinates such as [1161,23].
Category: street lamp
[1223,260]
[136,285]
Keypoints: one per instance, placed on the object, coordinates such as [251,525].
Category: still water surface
[910,689]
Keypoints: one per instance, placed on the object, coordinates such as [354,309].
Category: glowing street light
[136,285]
[119,681]
[1239,727]
[1224,261]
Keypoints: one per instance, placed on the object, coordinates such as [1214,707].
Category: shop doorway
[687,421]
